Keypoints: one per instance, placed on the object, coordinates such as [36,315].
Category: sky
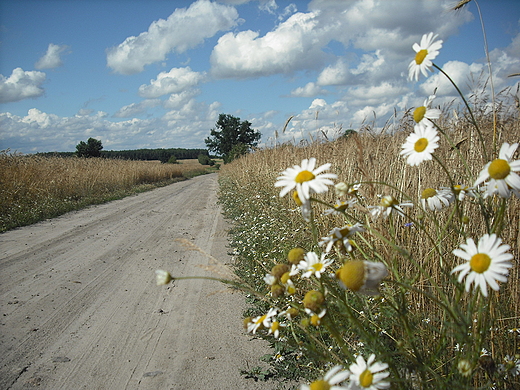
[157,73]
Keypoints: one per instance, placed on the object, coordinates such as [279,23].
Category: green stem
[484,153]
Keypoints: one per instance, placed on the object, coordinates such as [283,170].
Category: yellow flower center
[480,262]
[420,56]
[499,169]
[304,176]
[420,145]
[317,267]
[320,385]
[428,193]
[352,274]
[285,277]
[345,231]
[261,319]
[388,201]
[418,114]
[315,320]
[366,378]
[274,326]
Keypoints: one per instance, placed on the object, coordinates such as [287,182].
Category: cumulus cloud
[460,72]
[301,42]
[21,85]
[136,109]
[174,81]
[184,126]
[178,100]
[335,74]
[309,90]
[294,45]
[184,29]
[52,58]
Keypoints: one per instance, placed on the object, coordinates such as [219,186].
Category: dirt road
[80,308]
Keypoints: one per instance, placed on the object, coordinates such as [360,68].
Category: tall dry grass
[33,187]
[373,159]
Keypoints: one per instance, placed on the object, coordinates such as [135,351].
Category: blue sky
[157,73]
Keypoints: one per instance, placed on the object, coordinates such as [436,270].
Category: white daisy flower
[162,277]
[305,179]
[387,206]
[274,329]
[424,113]
[362,276]
[436,199]
[340,206]
[332,378]
[420,144]
[341,237]
[261,321]
[368,375]
[315,318]
[486,263]
[461,191]
[312,265]
[426,51]
[501,173]
[341,189]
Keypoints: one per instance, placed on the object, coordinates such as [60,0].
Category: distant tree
[91,148]
[164,156]
[204,159]
[238,150]
[172,160]
[348,133]
[229,131]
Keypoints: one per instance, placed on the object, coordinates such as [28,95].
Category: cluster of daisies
[486,262]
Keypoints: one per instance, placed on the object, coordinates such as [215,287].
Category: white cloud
[178,100]
[185,126]
[294,45]
[184,29]
[461,73]
[373,95]
[268,6]
[384,30]
[21,85]
[136,109]
[174,81]
[52,58]
[309,90]
[337,74]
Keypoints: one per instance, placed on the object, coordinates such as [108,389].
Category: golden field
[33,187]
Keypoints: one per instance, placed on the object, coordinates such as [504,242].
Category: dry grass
[34,187]
[374,160]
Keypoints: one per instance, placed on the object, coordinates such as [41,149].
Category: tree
[229,131]
[91,148]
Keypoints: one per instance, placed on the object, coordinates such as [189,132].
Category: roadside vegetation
[34,188]
[397,266]
[406,324]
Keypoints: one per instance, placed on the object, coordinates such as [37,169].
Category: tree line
[229,139]
[93,148]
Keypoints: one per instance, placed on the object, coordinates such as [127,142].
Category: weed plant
[404,274]
[33,187]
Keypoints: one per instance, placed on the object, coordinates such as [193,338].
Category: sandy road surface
[80,308]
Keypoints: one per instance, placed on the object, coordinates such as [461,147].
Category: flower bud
[313,300]
[279,269]
[295,255]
